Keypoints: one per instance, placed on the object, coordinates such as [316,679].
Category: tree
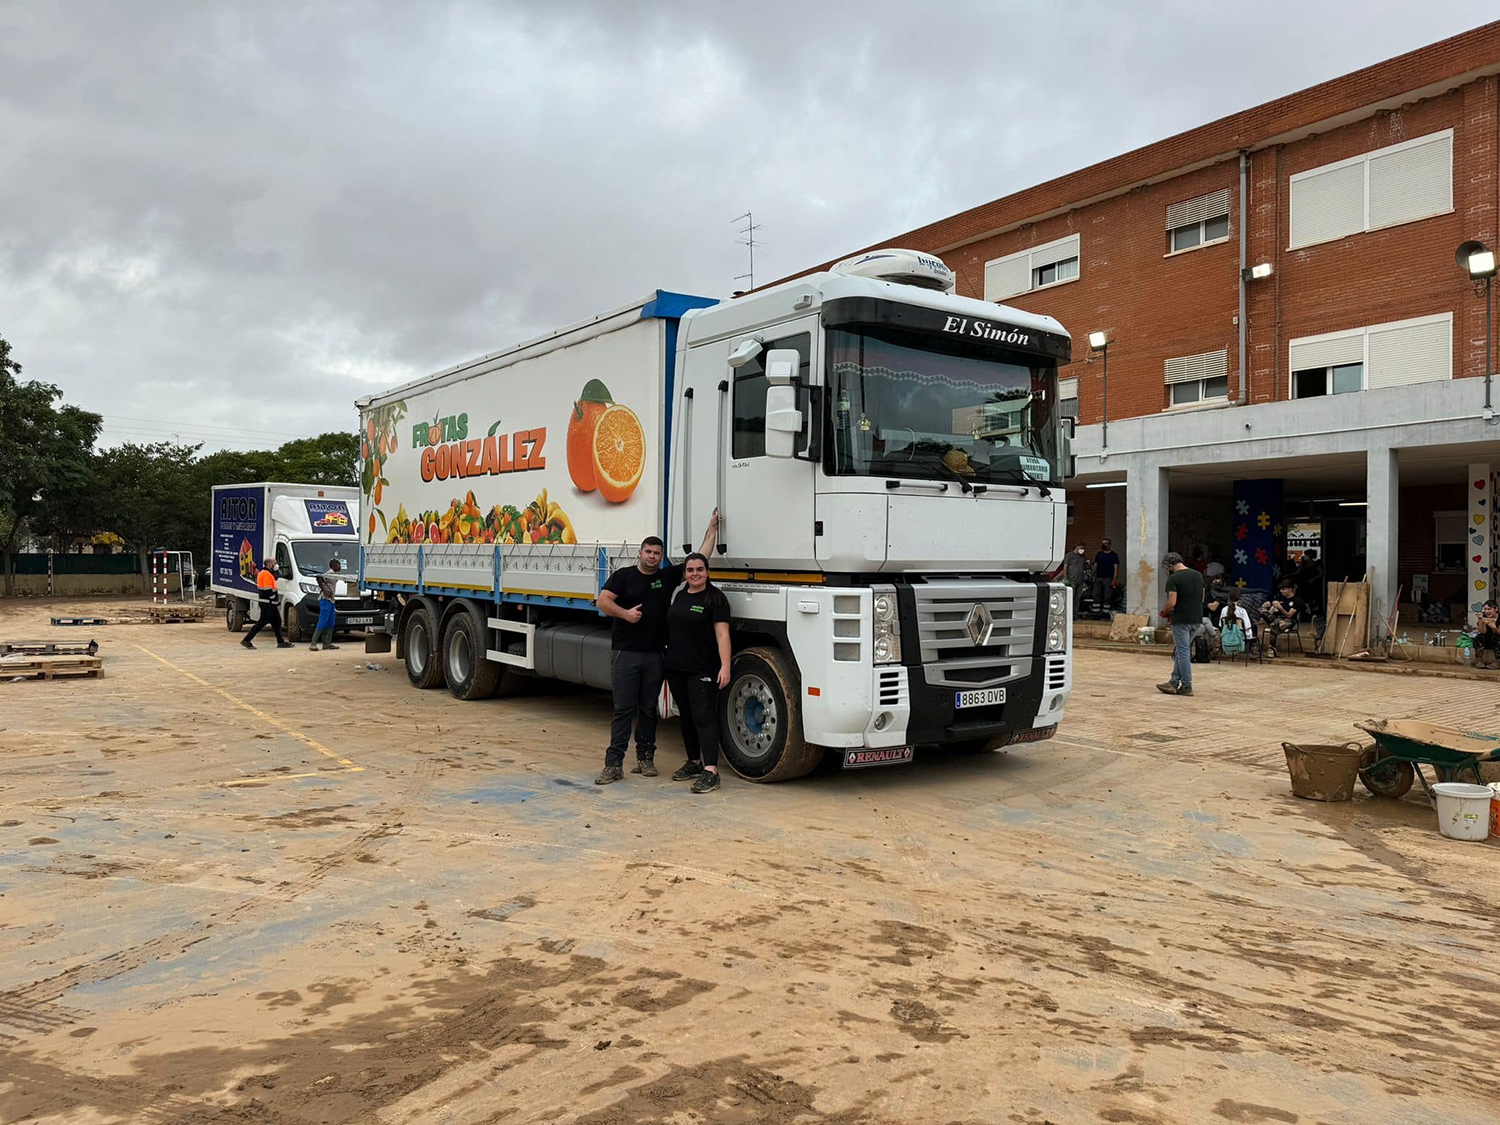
[151,493]
[44,453]
[331,458]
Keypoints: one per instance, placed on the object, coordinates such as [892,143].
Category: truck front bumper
[1032,709]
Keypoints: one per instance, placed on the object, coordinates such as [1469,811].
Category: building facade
[1294,356]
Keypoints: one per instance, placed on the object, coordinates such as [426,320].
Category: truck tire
[424,657]
[234,616]
[468,672]
[293,624]
[760,719]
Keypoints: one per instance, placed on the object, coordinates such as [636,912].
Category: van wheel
[469,673]
[234,617]
[293,624]
[761,721]
[424,660]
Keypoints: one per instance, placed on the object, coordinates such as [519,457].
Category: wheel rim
[754,720]
[416,647]
[458,655]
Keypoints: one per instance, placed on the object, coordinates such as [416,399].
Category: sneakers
[312,648]
[1184,691]
[328,648]
[706,782]
[1169,688]
[645,767]
[285,644]
[246,643]
[609,774]
[687,770]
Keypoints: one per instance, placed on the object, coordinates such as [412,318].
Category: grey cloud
[244,216]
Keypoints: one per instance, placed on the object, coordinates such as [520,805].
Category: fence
[77,575]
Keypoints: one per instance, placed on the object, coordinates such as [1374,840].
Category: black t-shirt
[691,643]
[1105,564]
[1188,586]
[1291,608]
[653,593]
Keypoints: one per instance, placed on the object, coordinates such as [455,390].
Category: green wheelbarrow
[1403,746]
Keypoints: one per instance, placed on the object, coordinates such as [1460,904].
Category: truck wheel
[424,660]
[761,721]
[293,624]
[470,674]
[234,616]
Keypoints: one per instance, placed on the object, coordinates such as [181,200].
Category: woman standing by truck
[697,667]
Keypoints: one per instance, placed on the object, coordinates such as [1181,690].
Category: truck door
[767,502]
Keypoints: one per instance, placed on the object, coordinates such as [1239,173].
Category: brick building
[1335,393]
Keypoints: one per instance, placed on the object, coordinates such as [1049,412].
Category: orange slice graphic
[619,453]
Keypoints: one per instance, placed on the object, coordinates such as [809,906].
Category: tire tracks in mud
[38,999]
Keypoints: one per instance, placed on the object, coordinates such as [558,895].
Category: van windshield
[908,405]
[314,555]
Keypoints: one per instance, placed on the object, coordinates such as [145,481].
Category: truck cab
[888,461]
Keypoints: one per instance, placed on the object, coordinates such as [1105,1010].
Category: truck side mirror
[783,419]
[1067,463]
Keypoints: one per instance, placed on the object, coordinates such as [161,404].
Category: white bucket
[1146,634]
[1463,810]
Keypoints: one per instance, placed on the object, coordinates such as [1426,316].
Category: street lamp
[1099,342]
[1478,261]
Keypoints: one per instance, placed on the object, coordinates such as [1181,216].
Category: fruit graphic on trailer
[583,421]
[619,453]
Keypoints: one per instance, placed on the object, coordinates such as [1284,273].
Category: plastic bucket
[1146,634]
[1463,810]
[1323,773]
[1495,809]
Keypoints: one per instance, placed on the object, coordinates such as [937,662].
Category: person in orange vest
[270,615]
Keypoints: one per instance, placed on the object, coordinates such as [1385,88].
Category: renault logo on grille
[980,624]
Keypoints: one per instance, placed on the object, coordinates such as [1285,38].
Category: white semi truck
[303,527]
[888,460]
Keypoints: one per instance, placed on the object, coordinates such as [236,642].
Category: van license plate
[982,698]
[888,756]
[363,620]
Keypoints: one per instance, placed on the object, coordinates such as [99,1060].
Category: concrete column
[1480,549]
[1382,521]
[1144,542]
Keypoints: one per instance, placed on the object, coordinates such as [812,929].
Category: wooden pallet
[80,621]
[49,667]
[49,648]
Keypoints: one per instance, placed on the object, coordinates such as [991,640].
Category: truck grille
[949,654]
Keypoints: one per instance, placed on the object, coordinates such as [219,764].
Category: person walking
[1075,572]
[270,614]
[697,669]
[1106,567]
[1184,609]
[637,598]
[328,583]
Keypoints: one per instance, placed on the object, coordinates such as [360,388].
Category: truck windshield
[909,405]
[313,556]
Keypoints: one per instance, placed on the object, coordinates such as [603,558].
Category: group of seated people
[1230,622]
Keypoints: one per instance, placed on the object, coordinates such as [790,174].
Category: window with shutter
[1398,184]
[1197,378]
[1395,354]
[1039,266]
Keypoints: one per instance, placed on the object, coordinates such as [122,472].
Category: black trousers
[698,699]
[636,679]
[1104,594]
[270,614]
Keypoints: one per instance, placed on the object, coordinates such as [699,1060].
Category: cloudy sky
[226,221]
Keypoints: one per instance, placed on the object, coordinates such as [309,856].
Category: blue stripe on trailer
[671,306]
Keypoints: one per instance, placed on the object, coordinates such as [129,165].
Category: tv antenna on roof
[748,230]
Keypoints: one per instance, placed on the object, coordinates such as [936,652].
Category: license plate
[982,698]
[890,756]
[359,621]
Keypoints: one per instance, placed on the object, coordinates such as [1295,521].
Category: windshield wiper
[1021,478]
[956,475]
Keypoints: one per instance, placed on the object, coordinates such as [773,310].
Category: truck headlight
[308,587]
[1057,619]
[887,647]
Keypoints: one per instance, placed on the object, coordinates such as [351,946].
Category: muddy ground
[283,887]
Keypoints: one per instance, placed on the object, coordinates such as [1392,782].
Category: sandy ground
[283,887]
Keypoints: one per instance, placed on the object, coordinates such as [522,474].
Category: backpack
[1232,639]
[1202,653]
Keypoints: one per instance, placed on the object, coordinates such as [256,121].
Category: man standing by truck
[265,583]
[328,584]
[637,598]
